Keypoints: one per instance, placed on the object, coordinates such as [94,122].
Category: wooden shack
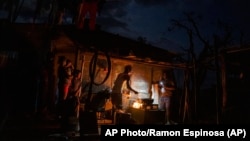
[147,61]
[112,52]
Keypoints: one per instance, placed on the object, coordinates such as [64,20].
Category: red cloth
[65,91]
[91,8]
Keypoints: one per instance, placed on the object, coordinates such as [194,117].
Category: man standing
[74,94]
[167,87]
[116,95]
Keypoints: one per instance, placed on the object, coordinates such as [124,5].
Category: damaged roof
[115,45]
[237,58]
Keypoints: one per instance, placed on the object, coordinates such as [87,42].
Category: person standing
[61,76]
[67,76]
[69,69]
[65,70]
[166,88]
[74,94]
[116,94]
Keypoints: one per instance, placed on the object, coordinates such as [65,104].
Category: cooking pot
[147,101]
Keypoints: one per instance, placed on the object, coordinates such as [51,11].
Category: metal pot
[147,101]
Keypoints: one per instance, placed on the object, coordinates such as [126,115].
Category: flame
[137,105]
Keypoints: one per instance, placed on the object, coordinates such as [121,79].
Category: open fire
[137,105]
[143,103]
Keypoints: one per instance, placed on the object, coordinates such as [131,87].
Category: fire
[137,105]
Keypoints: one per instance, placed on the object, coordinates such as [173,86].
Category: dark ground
[47,128]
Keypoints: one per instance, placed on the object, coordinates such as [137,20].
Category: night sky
[151,19]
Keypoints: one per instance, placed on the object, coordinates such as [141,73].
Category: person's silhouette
[116,95]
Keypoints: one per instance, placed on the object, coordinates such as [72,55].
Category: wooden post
[223,82]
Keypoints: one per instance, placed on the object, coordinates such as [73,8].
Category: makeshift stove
[143,111]
[145,103]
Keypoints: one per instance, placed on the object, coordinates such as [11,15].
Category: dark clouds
[111,12]
[151,19]
[152,2]
[109,22]
[114,9]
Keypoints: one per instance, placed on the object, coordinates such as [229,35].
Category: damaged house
[98,53]
[104,56]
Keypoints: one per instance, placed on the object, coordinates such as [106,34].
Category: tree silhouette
[200,63]
[13,7]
